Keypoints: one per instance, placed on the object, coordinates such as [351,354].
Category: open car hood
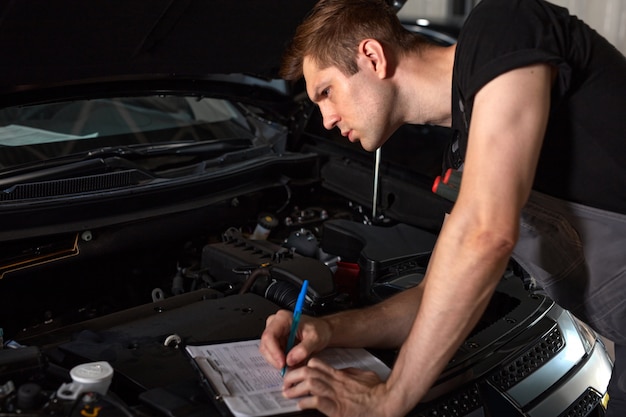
[74,41]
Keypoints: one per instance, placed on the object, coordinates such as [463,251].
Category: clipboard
[226,387]
[213,391]
[242,384]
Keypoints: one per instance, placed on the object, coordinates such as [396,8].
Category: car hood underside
[77,40]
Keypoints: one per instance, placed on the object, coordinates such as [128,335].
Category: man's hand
[348,392]
[313,335]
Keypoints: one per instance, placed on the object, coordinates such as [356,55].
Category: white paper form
[250,386]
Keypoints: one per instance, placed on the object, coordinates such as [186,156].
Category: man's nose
[329,118]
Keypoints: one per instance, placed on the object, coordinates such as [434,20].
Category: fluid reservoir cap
[268,221]
[88,373]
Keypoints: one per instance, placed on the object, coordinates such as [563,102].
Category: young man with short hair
[537,99]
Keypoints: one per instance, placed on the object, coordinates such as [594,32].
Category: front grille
[584,405]
[456,405]
[530,361]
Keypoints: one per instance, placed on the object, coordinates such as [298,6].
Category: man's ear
[372,54]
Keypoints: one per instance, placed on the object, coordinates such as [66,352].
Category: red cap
[447,175]
[436,184]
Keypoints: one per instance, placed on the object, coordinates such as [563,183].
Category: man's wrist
[391,405]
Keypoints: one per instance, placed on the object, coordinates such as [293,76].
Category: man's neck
[425,85]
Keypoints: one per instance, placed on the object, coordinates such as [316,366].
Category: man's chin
[368,146]
[371,145]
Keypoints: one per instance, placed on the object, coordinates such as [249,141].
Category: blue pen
[294,324]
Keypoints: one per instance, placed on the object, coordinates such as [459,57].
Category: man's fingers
[308,380]
[334,392]
[307,344]
[314,385]
[274,336]
[320,365]
[270,349]
[312,336]
[324,404]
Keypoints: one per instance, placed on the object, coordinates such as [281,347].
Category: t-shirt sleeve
[502,35]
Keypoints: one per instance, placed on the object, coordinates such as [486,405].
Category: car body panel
[47,44]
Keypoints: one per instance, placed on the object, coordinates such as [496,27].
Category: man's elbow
[495,243]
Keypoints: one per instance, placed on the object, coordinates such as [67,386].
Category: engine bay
[129,296]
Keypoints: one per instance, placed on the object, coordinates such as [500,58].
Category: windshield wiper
[204,150]
[109,159]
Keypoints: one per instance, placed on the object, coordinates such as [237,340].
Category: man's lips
[348,134]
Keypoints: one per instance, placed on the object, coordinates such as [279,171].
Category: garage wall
[426,8]
[608,17]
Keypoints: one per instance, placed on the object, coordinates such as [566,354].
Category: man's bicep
[508,124]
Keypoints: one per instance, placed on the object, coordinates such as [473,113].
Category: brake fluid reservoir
[265,223]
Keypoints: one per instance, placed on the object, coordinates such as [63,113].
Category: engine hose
[249,282]
[282,293]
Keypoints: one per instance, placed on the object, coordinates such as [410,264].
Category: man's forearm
[462,276]
[383,325]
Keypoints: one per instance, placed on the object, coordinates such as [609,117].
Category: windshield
[40,132]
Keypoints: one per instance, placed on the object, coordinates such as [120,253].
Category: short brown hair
[333,29]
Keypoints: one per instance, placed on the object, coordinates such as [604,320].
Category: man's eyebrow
[316,95]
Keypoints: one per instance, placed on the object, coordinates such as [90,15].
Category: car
[161,186]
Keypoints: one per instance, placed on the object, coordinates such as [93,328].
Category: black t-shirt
[583,157]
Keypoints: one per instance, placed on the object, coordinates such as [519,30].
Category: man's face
[358,105]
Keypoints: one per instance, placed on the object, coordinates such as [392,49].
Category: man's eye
[325,92]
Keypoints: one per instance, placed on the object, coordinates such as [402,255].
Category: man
[538,101]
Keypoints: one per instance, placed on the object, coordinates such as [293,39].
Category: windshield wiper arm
[108,159]
[206,149]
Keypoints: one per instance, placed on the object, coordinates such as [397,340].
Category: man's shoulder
[500,35]
[509,14]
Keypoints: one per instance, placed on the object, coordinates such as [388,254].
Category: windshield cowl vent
[71,186]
